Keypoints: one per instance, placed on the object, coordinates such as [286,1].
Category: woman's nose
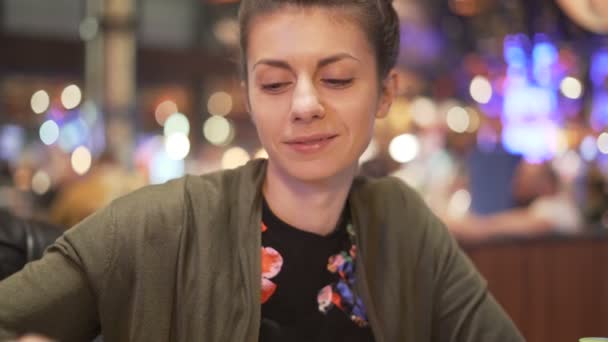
[305,104]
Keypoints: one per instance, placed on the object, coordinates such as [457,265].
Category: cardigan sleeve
[464,310]
[56,296]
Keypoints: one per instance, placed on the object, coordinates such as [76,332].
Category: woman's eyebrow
[335,58]
[323,62]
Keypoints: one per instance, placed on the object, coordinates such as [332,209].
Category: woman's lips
[311,143]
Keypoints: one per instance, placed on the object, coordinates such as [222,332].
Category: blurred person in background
[595,197]
[81,197]
[293,248]
[21,239]
[543,205]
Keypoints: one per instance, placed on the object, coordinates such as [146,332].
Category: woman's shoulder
[170,201]
[388,191]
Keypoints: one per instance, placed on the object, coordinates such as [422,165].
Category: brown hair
[377,18]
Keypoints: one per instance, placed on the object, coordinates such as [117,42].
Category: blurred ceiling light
[234,157]
[176,123]
[404,148]
[49,132]
[261,154]
[571,88]
[177,146]
[71,96]
[218,130]
[588,148]
[481,89]
[41,182]
[602,143]
[424,111]
[164,110]
[227,31]
[88,28]
[457,119]
[219,103]
[81,160]
[40,101]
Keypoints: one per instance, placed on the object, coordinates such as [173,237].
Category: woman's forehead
[304,31]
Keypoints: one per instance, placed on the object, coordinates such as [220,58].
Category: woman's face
[313,91]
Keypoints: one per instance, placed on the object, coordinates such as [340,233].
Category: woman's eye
[275,87]
[338,82]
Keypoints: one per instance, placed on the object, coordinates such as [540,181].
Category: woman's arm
[57,296]
[464,310]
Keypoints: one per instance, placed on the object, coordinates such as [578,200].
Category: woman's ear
[387,94]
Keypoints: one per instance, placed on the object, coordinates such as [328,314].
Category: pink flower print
[272,261]
[335,261]
[324,299]
[328,298]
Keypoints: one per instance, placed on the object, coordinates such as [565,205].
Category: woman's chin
[317,171]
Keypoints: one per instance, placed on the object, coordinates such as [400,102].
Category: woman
[292,249]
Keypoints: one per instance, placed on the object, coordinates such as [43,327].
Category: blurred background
[500,123]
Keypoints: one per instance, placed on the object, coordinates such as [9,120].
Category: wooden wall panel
[554,289]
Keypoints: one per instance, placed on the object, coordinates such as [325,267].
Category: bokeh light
[49,132]
[88,29]
[474,120]
[177,146]
[219,103]
[81,160]
[404,148]
[218,130]
[227,31]
[481,89]
[89,112]
[72,134]
[261,154]
[424,111]
[588,148]
[71,96]
[602,143]
[571,88]
[234,157]
[40,102]
[459,204]
[41,182]
[176,123]
[164,110]
[457,119]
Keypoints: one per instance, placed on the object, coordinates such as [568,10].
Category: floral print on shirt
[341,294]
[272,262]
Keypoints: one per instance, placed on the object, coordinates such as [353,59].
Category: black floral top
[308,284]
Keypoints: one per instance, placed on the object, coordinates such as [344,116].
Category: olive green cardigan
[181,262]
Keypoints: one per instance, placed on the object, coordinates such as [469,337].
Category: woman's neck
[310,206]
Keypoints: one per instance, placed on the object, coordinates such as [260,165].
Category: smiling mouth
[311,144]
[311,140]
